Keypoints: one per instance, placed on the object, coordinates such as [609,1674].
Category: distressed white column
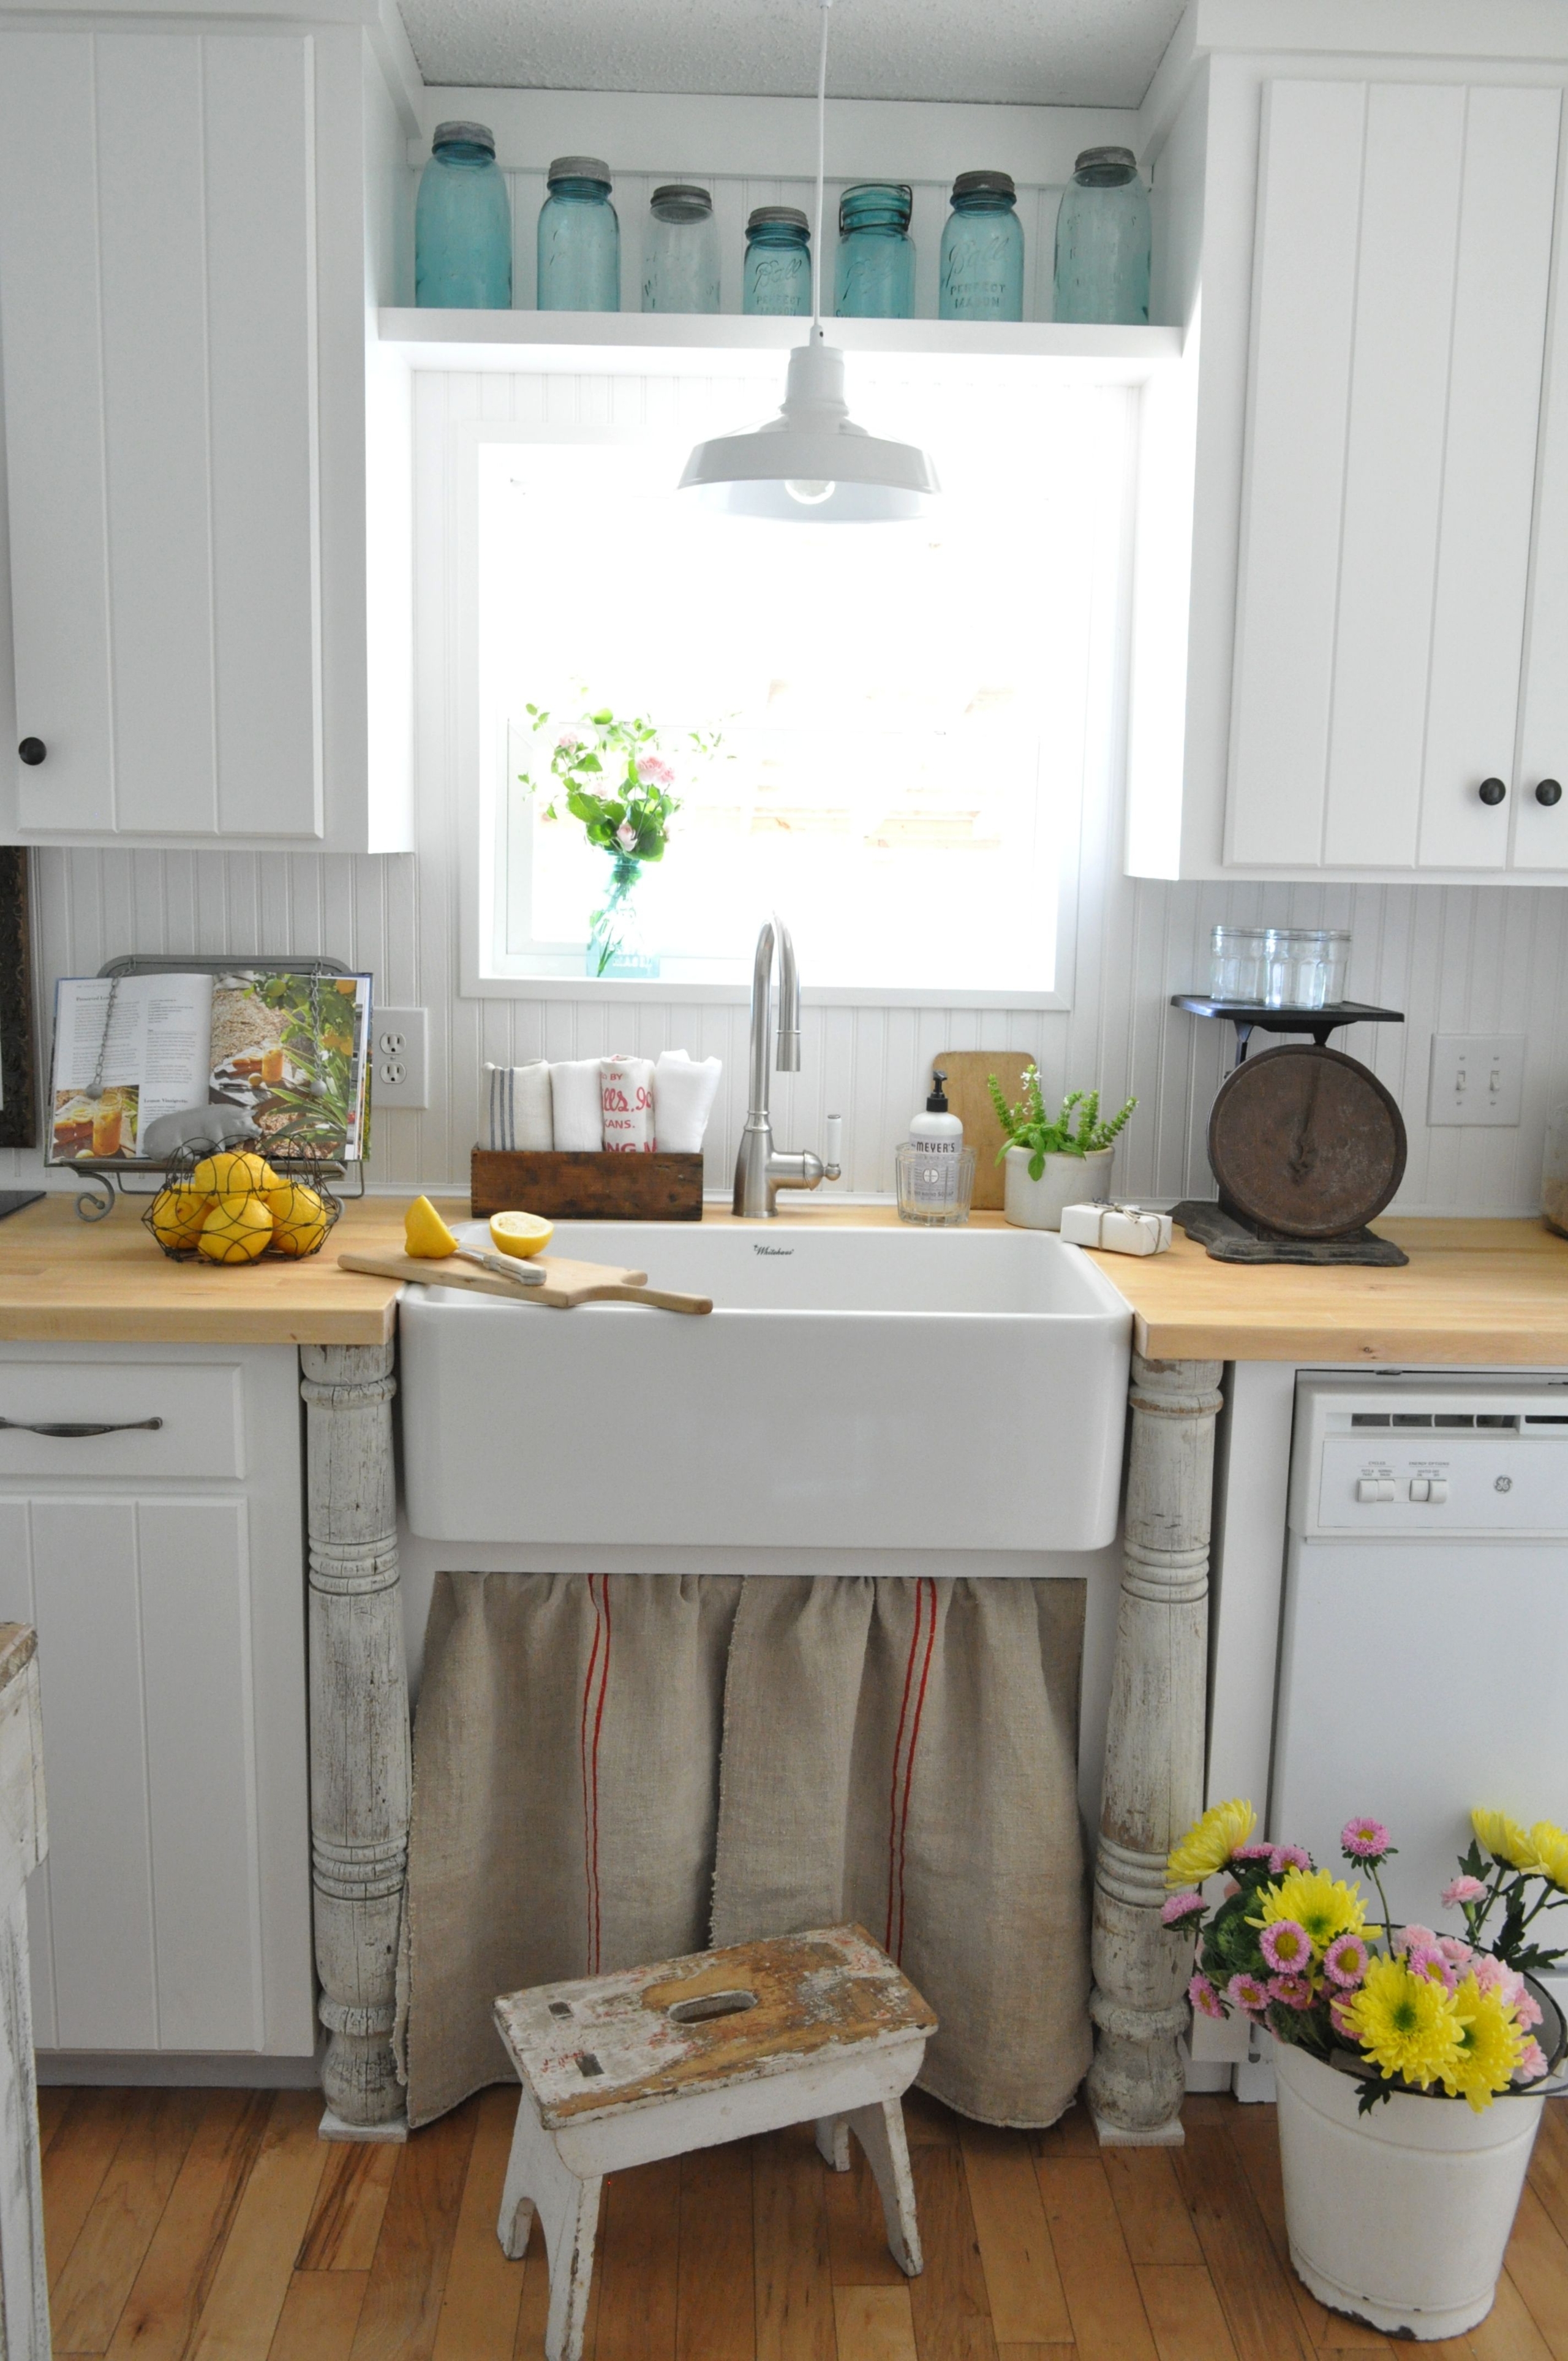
[1154,1753]
[24,1841]
[359,1729]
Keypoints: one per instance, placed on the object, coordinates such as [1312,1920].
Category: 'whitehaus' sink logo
[772,1250]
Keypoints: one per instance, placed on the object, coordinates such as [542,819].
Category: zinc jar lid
[781,216]
[680,201]
[985,184]
[1107,168]
[465,135]
[579,168]
[868,202]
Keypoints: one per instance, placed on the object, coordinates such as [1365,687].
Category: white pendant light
[812,462]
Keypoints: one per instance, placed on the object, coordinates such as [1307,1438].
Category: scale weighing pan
[1306,1143]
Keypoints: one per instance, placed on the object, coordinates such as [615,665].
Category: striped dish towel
[520,1106]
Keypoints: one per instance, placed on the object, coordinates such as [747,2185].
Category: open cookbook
[133,1055]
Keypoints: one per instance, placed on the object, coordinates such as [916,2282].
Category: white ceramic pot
[1399,2217]
[1066,1180]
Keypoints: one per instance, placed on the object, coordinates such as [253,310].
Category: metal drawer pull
[69,1429]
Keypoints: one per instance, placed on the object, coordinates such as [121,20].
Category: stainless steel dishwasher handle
[69,1429]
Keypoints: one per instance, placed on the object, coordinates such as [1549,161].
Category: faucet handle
[833,1147]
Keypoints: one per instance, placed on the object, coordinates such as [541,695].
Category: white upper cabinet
[1371,679]
[182,313]
[1404,251]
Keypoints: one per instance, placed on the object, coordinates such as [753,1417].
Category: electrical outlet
[400,1062]
[1477,1078]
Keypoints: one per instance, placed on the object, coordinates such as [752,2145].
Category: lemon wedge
[425,1235]
[520,1233]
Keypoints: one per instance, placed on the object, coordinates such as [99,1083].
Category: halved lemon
[425,1235]
[520,1233]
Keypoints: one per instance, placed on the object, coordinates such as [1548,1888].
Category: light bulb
[808,491]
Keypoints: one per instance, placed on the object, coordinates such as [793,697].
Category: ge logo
[1504,1484]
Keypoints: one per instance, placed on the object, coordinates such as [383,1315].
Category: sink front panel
[850,1389]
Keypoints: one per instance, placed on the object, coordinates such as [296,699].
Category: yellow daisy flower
[1503,1838]
[1210,1843]
[1491,2044]
[1407,2024]
[1550,1846]
[1324,1905]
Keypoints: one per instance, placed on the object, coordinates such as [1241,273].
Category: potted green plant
[1050,1161]
[1390,2045]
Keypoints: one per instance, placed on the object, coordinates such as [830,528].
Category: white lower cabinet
[173,1911]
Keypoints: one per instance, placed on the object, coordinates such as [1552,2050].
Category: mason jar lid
[783,216]
[866,203]
[1107,168]
[465,135]
[680,201]
[991,184]
[579,168]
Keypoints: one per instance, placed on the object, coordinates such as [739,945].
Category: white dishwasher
[1423,1663]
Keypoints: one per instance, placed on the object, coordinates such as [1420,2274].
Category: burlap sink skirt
[615,1768]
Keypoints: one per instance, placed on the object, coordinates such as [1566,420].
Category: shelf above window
[608,342]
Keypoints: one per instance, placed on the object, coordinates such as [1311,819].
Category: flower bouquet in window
[609,774]
[1399,2211]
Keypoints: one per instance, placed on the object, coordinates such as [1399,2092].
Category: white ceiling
[1030,52]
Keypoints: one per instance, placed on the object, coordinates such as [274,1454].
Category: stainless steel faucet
[760,1171]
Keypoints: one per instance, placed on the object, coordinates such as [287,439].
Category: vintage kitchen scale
[1306,1144]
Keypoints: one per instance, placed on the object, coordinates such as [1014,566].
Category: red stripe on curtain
[591,1723]
[922,1643]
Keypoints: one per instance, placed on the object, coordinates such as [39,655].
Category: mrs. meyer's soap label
[626,1088]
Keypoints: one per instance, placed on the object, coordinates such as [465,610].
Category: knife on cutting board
[567,1283]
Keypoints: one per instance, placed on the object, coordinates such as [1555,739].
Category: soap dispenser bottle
[938,1136]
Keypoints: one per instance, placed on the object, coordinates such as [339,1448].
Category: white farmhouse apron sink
[850,1389]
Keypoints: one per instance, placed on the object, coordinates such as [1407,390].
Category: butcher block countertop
[1475,1293]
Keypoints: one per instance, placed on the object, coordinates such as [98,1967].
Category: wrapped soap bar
[1116,1229]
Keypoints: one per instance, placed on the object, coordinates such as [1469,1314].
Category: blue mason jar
[463,224]
[981,271]
[579,240]
[875,277]
[778,263]
[1103,241]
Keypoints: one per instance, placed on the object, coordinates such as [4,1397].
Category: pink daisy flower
[1295,1991]
[1263,1855]
[1286,1947]
[1531,2065]
[1284,1857]
[1344,1962]
[1340,2021]
[1363,1840]
[1205,2000]
[1177,1907]
[1426,1960]
[1247,1992]
[1460,1890]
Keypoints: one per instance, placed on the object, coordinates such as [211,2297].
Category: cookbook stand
[106,1177]
[1250,1017]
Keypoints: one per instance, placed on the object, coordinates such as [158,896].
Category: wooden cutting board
[969,1099]
[567,1285]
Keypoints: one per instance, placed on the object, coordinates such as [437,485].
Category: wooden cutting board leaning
[567,1283]
[970,1100]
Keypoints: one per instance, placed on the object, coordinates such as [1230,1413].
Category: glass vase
[615,946]
[579,240]
[1103,241]
[463,224]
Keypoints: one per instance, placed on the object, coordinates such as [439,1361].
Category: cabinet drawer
[198,1407]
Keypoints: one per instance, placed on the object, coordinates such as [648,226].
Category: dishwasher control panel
[1419,1453]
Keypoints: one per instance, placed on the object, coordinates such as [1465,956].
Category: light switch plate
[1475,1078]
[399,1057]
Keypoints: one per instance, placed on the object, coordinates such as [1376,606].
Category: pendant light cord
[821,158]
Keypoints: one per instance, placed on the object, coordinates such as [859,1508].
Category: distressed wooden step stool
[620,2070]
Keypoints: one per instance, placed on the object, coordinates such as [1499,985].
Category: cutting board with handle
[969,1099]
[567,1283]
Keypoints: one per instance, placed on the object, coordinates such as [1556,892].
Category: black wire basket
[285,1208]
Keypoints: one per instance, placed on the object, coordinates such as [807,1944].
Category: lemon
[425,1235]
[236,1229]
[520,1233]
[300,1225]
[178,1213]
[228,1174]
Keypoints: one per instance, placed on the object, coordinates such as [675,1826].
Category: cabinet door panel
[1310,174]
[1393,482]
[1499,341]
[54,426]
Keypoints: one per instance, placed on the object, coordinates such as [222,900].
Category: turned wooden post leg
[359,1728]
[1154,1751]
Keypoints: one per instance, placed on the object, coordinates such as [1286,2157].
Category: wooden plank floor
[216,2224]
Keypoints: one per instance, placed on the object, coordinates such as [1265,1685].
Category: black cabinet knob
[1549,791]
[32,750]
[1491,791]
